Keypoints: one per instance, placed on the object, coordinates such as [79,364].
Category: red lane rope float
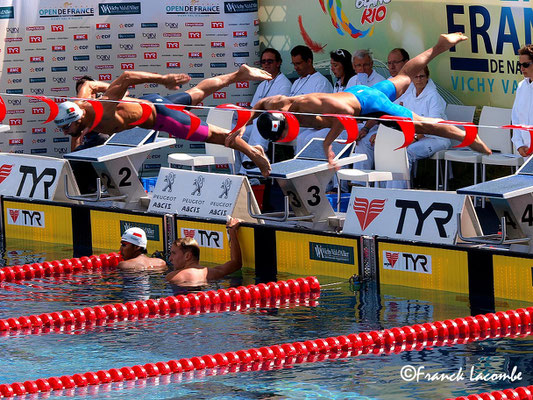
[58,267]
[416,337]
[470,132]
[525,128]
[243,115]
[98,113]
[232,299]
[349,123]
[407,126]
[520,393]
[51,103]
[89,324]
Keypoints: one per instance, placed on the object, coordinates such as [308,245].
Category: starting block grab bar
[496,239]
[281,216]
[95,197]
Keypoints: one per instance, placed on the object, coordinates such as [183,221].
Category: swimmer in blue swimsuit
[374,101]
[75,118]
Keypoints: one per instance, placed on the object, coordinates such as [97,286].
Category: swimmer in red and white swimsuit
[75,118]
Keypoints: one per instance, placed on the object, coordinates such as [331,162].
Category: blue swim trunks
[377,100]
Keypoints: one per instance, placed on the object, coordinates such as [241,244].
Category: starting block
[117,163]
[303,179]
[512,200]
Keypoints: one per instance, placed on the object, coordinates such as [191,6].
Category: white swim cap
[135,236]
[67,112]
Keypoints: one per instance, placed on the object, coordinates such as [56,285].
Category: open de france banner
[48,45]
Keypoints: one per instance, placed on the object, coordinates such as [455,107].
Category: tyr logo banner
[205,238]
[34,219]
[407,262]
[31,177]
[419,215]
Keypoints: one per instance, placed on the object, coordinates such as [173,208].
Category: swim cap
[67,112]
[135,236]
[271,125]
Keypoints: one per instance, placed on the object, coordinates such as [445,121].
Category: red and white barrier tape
[244,115]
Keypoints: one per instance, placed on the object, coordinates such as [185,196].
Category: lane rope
[58,267]
[221,300]
[512,323]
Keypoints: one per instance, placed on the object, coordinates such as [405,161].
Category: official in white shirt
[309,81]
[522,113]
[279,85]
[363,64]
[341,68]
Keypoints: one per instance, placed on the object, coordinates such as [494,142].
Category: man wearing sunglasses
[374,101]
[120,112]
[522,113]
[279,85]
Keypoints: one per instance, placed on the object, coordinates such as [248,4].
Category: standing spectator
[280,84]
[522,113]
[309,81]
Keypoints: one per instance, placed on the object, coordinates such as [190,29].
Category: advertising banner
[404,214]
[49,44]
[195,194]
[482,71]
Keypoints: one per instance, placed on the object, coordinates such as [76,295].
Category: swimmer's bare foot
[480,146]
[247,73]
[448,40]
[259,158]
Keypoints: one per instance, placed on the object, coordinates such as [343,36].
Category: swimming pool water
[340,310]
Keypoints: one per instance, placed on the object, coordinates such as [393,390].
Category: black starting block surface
[311,159]
[503,188]
[126,143]
[133,137]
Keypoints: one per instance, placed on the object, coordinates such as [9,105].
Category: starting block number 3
[313,201]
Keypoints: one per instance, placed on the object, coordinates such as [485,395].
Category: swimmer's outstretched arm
[89,89]
[235,250]
[334,132]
